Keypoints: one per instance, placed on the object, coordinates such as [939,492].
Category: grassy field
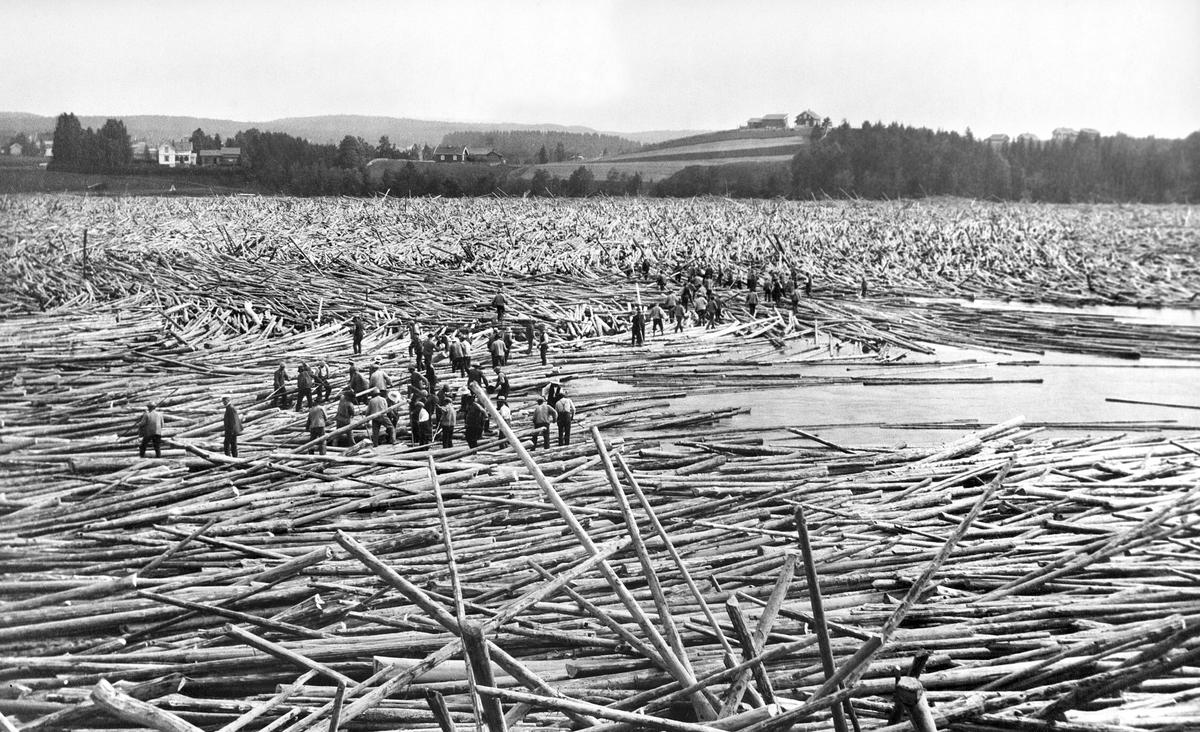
[650,170]
[26,175]
[722,148]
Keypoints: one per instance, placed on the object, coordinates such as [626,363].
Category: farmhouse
[449,154]
[808,118]
[173,154]
[16,149]
[226,156]
[484,155]
[768,122]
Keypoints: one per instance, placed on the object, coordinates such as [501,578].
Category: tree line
[870,161]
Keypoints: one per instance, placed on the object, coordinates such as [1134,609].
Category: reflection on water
[1073,389]
[1127,313]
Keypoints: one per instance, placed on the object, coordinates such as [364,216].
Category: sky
[1009,66]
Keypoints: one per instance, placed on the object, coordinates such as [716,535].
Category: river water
[1073,389]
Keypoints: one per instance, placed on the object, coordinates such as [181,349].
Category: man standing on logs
[456,351]
[543,347]
[637,326]
[344,416]
[279,395]
[446,419]
[233,427]
[543,416]
[474,418]
[321,377]
[499,352]
[566,415]
[376,404]
[304,385]
[358,333]
[656,320]
[316,428]
[150,427]
[502,385]
[379,382]
[499,302]
[752,302]
[358,384]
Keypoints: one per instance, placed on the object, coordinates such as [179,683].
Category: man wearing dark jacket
[150,427]
[345,415]
[279,395]
[358,385]
[233,427]
[316,428]
[566,415]
[304,385]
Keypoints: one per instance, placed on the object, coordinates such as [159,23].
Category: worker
[456,353]
[428,348]
[661,281]
[502,385]
[701,304]
[475,375]
[344,416]
[503,409]
[465,359]
[378,382]
[279,395]
[637,326]
[507,336]
[358,332]
[321,376]
[304,385]
[358,385]
[232,424]
[431,376]
[544,348]
[678,314]
[713,312]
[752,302]
[543,416]
[473,419]
[150,427]
[808,286]
[566,415]
[499,352]
[657,315]
[528,337]
[316,428]
[446,419]
[499,302]
[377,405]
[552,392]
[424,423]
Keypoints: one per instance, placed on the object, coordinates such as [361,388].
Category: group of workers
[431,409]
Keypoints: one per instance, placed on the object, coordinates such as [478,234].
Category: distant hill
[401,131]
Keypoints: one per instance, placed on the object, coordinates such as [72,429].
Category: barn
[449,154]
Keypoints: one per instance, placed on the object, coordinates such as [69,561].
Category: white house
[172,154]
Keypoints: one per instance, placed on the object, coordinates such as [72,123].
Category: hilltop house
[484,155]
[1089,134]
[173,154]
[808,118]
[768,122]
[1028,138]
[997,140]
[449,154]
[226,156]
[1065,134]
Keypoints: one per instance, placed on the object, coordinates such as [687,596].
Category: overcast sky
[1004,66]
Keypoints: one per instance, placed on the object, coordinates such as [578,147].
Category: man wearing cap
[464,360]
[378,381]
[150,427]
[637,329]
[232,424]
[499,352]
[321,376]
[499,302]
[358,384]
[656,319]
[566,415]
[456,351]
[543,416]
[378,406]
[279,395]
[304,385]
[446,419]
[344,416]
[316,428]
[474,419]
[504,410]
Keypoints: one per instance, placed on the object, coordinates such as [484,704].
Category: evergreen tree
[560,153]
[68,141]
[542,156]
